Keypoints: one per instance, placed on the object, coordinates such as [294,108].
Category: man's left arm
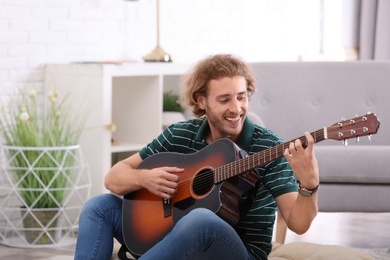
[300,208]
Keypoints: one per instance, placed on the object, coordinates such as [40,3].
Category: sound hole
[203,182]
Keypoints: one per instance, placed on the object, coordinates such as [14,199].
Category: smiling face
[226,104]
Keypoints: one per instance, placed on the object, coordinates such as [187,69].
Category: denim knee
[201,218]
[99,203]
[100,221]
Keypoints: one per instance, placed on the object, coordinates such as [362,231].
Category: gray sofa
[293,97]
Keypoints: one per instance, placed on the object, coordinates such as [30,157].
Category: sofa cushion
[364,164]
[341,197]
[293,97]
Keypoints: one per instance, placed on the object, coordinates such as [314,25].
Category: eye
[241,98]
[224,99]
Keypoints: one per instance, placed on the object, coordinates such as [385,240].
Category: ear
[201,100]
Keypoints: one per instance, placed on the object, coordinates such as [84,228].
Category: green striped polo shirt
[276,177]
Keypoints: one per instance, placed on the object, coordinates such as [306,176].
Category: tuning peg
[340,124]
[370,137]
[345,142]
[357,139]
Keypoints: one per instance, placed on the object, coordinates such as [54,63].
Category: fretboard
[261,158]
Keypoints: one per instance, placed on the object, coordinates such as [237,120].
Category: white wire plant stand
[42,192]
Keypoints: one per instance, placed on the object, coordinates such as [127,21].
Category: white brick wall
[36,32]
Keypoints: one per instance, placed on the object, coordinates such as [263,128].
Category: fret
[225,174]
[276,153]
[227,170]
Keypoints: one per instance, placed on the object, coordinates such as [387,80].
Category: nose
[235,106]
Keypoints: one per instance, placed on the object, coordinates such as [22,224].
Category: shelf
[128,95]
[126,147]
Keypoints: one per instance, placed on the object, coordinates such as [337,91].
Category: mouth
[235,119]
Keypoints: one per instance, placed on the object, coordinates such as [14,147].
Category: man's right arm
[124,177]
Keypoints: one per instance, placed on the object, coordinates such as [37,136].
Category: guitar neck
[367,124]
[261,158]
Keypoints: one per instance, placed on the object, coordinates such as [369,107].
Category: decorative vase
[43,191]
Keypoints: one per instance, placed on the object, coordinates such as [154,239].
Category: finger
[310,141]
[169,192]
[287,155]
[170,184]
[165,195]
[292,148]
[298,145]
[172,177]
[173,169]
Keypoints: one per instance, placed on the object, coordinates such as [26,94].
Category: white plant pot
[30,176]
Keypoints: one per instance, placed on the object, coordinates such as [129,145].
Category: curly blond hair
[213,68]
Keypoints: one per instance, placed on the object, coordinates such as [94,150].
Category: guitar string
[229,170]
[243,165]
[232,169]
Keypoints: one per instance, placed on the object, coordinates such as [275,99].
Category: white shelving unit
[127,95]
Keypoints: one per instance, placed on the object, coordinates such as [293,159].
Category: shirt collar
[204,129]
[243,141]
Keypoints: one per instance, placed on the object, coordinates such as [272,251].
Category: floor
[359,230]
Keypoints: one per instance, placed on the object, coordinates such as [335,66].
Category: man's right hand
[162,181]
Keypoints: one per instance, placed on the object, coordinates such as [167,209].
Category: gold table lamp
[158,54]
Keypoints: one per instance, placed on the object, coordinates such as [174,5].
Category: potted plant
[172,109]
[40,145]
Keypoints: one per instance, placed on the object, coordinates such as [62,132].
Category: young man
[218,90]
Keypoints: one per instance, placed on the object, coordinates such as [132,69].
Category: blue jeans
[99,223]
[200,234]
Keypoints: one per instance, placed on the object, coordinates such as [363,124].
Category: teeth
[232,119]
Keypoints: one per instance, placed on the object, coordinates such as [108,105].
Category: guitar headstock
[352,128]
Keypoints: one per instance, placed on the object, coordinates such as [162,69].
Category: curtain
[374,37]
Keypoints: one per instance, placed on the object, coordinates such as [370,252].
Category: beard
[224,127]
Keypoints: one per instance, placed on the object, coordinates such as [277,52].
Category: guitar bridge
[167,207]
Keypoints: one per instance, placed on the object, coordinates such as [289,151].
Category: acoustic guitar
[214,178]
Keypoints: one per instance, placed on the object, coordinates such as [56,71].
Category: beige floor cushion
[305,250]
